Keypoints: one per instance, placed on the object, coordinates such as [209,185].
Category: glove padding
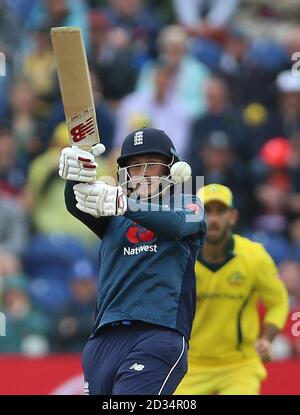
[79,165]
[100,199]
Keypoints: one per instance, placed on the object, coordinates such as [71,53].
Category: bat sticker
[82,127]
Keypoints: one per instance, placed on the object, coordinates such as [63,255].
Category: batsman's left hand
[79,165]
[100,199]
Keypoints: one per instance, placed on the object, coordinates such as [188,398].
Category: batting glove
[100,199]
[79,165]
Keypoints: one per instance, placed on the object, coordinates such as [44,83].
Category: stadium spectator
[294,238]
[156,108]
[269,19]
[189,74]
[260,125]
[21,9]
[48,260]
[290,274]
[72,323]
[291,44]
[38,67]
[138,21]
[10,264]
[26,124]
[248,78]
[220,115]
[12,169]
[294,161]
[294,172]
[9,33]
[111,53]
[218,163]
[288,117]
[99,27]
[272,187]
[26,326]
[216,160]
[60,13]
[47,209]
[203,17]
[9,41]
[14,229]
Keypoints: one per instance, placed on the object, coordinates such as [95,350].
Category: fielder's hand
[79,165]
[264,349]
[100,199]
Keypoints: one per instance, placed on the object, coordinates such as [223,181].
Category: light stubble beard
[224,235]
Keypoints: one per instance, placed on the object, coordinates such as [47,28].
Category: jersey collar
[229,255]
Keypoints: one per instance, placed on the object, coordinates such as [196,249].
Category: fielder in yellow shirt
[227,346]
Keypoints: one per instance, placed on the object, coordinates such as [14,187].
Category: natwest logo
[139,249]
[137,234]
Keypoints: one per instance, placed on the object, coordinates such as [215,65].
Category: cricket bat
[75,86]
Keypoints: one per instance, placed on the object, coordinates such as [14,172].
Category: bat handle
[98,149]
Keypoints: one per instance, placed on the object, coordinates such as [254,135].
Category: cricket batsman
[227,346]
[146,295]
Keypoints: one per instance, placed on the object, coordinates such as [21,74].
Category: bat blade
[75,86]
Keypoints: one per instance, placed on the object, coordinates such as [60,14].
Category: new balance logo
[137,366]
[138,138]
[82,130]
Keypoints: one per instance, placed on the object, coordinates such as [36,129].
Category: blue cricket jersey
[147,262]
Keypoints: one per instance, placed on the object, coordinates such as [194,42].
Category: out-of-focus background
[216,76]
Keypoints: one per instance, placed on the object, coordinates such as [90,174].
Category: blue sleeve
[186,218]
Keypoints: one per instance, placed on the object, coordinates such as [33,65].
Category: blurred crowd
[214,74]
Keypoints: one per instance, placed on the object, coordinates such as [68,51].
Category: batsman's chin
[143,190]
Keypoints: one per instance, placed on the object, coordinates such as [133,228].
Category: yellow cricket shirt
[226,323]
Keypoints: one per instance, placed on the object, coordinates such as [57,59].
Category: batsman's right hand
[79,165]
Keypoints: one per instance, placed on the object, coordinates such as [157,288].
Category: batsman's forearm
[166,223]
[97,225]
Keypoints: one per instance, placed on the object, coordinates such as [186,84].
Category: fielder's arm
[273,293]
